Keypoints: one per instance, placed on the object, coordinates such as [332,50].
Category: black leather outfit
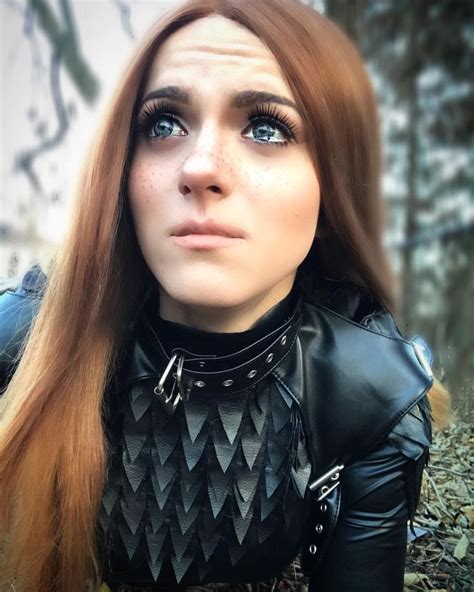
[307,433]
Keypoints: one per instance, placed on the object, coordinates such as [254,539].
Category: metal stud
[323,507]
[229,382]
[252,373]
[335,477]
[269,358]
[324,489]
[199,383]
[318,528]
[283,339]
[313,549]
[202,364]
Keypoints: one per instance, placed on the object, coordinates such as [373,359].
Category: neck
[232,319]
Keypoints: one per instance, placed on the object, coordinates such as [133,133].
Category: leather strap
[183,371]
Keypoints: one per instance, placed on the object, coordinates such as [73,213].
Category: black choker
[181,372]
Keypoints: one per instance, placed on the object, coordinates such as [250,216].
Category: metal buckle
[170,401]
[325,483]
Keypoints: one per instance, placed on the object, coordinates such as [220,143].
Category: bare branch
[124,8]
[443,234]
[64,44]
[24,161]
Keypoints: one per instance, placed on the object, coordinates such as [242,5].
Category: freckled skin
[218,170]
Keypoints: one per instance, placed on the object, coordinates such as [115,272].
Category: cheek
[146,188]
[291,208]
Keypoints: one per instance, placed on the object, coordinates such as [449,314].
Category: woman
[214,381]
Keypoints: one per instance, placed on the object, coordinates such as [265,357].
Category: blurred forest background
[61,58]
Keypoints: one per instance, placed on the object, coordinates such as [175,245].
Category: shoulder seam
[358,325]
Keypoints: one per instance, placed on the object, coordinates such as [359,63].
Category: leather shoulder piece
[18,307]
[354,383]
[412,437]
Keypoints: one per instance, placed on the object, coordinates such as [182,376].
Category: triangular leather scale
[110,495]
[241,525]
[231,411]
[165,438]
[300,479]
[243,505]
[180,541]
[267,505]
[224,449]
[159,418]
[135,436]
[103,520]
[203,568]
[264,530]
[137,470]
[251,445]
[160,496]
[188,497]
[209,532]
[261,398]
[247,482]
[284,394]
[193,450]
[257,416]
[195,412]
[140,402]
[155,541]
[185,519]
[130,542]
[189,478]
[272,480]
[280,412]
[164,473]
[155,569]
[277,450]
[209,541]
[181,566]
[127,492]
[218,488]
[235,551]
[156,516]
[133,513]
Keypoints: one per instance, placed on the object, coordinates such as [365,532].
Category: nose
[206,173]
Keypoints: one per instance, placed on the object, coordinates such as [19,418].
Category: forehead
[216,48]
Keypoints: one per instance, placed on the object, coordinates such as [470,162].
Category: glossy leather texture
[360,389]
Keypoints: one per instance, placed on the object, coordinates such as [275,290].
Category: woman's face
[223,192]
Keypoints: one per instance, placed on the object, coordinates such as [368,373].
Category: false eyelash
[277,117]
[150,113]
[270,112]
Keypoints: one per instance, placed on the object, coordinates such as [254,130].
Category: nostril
[215,189]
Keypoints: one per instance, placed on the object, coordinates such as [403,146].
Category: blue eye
[162,127]
[274,127]
[269,131]
[156,123]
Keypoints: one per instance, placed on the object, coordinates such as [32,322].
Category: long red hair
[53,447]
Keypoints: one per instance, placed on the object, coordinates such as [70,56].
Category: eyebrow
[242,99]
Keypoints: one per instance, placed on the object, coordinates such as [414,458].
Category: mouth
[206,235]
[206,228]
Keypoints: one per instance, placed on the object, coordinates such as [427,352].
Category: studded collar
[179,371]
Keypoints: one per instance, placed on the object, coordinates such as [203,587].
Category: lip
[205,241]
[206,228]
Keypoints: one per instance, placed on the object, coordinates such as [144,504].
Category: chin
[204,295]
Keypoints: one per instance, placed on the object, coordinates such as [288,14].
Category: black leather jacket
[360,390]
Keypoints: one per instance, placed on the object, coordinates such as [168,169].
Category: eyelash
[265,113]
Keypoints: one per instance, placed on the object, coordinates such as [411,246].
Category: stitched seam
[350,322]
